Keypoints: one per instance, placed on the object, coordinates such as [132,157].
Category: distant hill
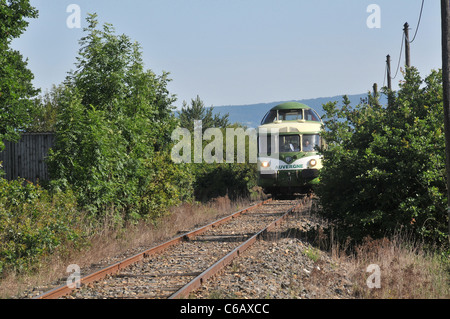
[252,114]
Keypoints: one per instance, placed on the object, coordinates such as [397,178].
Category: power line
[418,23]
[399,57]
[407,42]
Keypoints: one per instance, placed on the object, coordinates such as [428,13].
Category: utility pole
[445,18]
[407,48]
[388,62]
[389,79]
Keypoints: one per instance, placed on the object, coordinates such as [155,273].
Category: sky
[234,52]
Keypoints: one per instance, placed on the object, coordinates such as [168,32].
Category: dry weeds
[407,270]
[127,241]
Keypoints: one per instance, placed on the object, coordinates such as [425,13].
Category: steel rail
[64,290]
[226,260]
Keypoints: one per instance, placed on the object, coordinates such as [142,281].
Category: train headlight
[312,163]
[265,164]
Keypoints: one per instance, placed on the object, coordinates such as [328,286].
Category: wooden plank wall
[26,158]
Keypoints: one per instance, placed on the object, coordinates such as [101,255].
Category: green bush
[233,179]
[384,168]
[168,185]
[34,223]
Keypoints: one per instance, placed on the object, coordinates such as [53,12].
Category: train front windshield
[289,143]
[310,142]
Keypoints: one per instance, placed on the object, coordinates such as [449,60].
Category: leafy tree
[46,109]
[198,112]
[217,179]
[384,167]
[16,89]
[114,131]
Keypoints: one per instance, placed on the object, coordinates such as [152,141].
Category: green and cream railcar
[288,143]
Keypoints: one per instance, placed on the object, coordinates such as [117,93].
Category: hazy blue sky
[245,51]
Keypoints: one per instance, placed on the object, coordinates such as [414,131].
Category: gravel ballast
[282,266]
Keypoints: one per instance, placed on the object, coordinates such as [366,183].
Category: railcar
[288,143]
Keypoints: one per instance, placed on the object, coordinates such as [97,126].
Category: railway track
[174,269]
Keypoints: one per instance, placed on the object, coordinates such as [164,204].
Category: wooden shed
[26,158]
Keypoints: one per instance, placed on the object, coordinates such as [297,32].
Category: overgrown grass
[409,269]
[109,242]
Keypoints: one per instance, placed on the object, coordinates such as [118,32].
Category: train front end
[288,143]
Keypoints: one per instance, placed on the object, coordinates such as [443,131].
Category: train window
[265,145]
[310,142]
[311,115]
[290,115]
[269,117]
[289,143]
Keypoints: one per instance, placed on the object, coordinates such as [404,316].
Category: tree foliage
[35,223]
[384,167]
[211,180]
[16,89]
[197,111]
[46,109]
[113,131]
[235,180]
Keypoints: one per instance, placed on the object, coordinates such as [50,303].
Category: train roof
[284,113]
[290,106]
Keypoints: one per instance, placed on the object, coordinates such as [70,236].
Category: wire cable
[399,57]
[418,23]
